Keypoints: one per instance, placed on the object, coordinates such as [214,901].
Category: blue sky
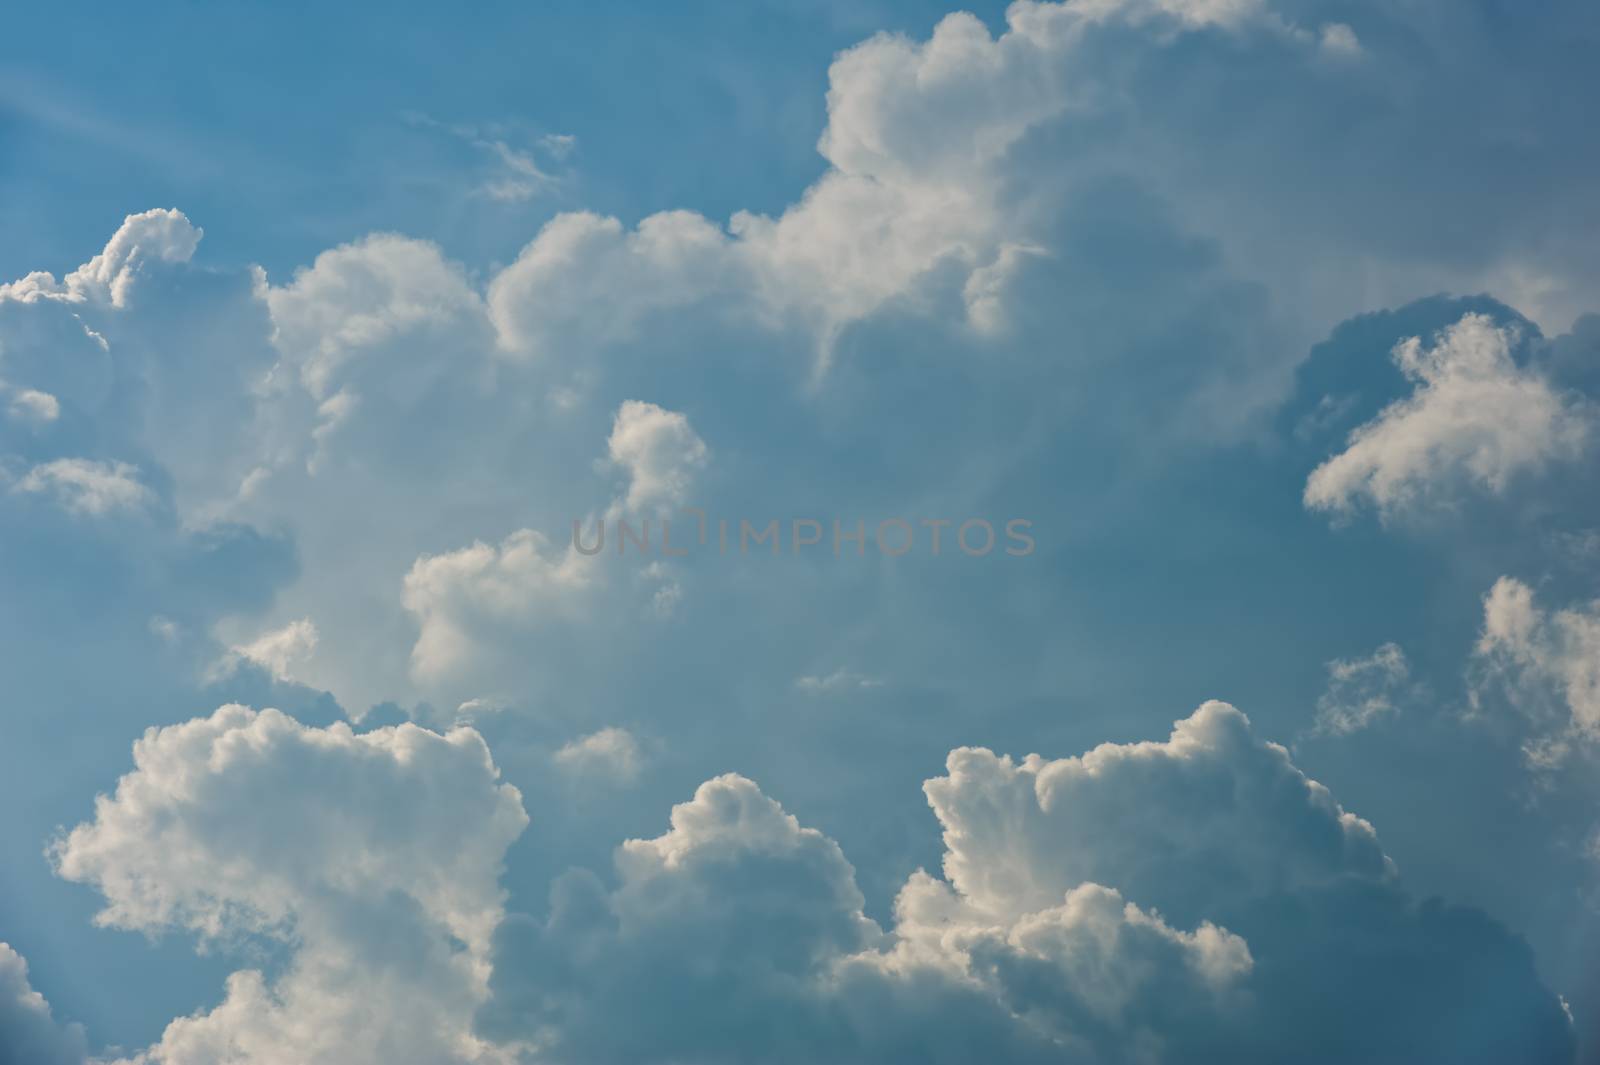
[1267,323]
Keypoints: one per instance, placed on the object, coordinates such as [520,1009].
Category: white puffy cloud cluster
[1144,902]
[1547,662]
[1475,418]
[917,141]
[373,857]
[159,236]
[29,1035]
[1160,901]
[385,373]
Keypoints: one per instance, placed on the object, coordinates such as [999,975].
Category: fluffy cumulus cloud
[1546,662]
[152,237]
[660,452]
[1162,901]
[1475,418]
[918,142]
[1028,244]
[29,1035]
[374,857]
[358,299]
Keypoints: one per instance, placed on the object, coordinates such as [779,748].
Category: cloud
[472,603]
[611,754]
[1474,418]
[660,452]
[357,300]
[516,175]
[918,141]
[29,1035]
[374,857]
[276,650]
[455,594]
[522,178]
[1008,222]
[1181,900]
[1362,690]
[1230,810]
[29,405]
[159,236]
[1339,40]
[583,282]
[1546,662]
[87,486]
[839,680]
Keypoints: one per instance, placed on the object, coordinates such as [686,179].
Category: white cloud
[1078,918]
[456,594]
[838,681]
[1474,416]
[87,486]
[918,139]
[359,299]
[583,282]
[1130,816]
[276,650]
[661,453]
[1547,662]
[29,1035]
[164,236]
[521,179]
[1339,40]
[1362,690]
[559,145]
[374,856]
[611,754]
[481,603]
[516,174]
[29,405]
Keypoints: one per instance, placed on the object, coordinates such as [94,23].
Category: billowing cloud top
[469,726]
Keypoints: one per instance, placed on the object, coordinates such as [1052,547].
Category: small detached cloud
[611,755]
[1475,419]
[837,682]
[1362,691]
[86,486]
[514,173]
[29,405]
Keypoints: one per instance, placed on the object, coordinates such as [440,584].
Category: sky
[800,531]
